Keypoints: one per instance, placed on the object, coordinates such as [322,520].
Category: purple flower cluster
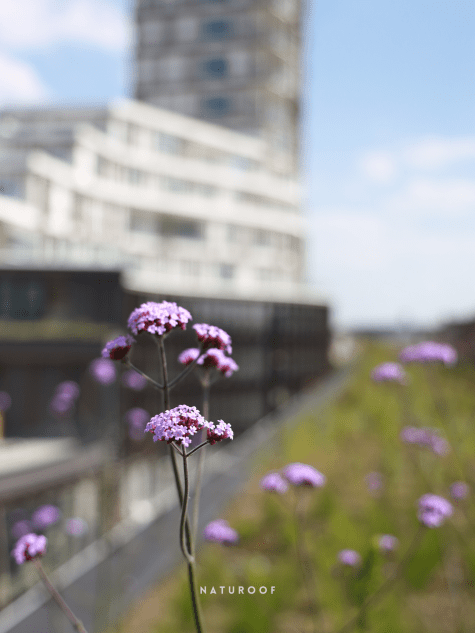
[20,528]
[188,356]
[389,372]
[28,547]
[180,424]
[303,475]
[158,318]
[349,557]
[387,543]
[212,358]
[459,490]
[64,397]
[220,531]
[274,482]
[103,370]
[429,352]
[133,380]
[425,437]
[118,348]
[212,336]
[5,401]
[45,516]
[76,526]
[137,419]
[374,482]
[433,510]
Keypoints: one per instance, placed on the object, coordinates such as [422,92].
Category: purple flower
[227,366]
[134,380]
[45,516]
[303,475]
[158,318]
[220,531]
[188,356]
[216,358]
[459,490]
[65,395]
[180,424]
[28,547]
[387,543]
[137,417]
[5,401]
[429,352]
[118,348]
[424,436]
[274,482]
[374,481]
[389,372]
[76,526]
[349,557]
[68,389]
[20,528]
[212,336]
[103,370]
[433,510]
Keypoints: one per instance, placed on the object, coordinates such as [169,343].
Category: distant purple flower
[220,532]
[45,516]
[29,547]
[76,526]
[103,370]
[5,401]
[134,380]
[20,528]
[433,510]
[389,372]
[68,389]
[64,397]
[303,475]
[216,358]
[388,543]
[137,417]
[429,352]
[274,482]
[212,336]
[180,424]
[424,436]
[158,318]
[227,366]
[349,557]
[374,481]
[188,356]
[118,348]
[459,490]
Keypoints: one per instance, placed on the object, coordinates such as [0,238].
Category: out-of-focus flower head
[274,482]
[425,437]
[429,352]
[188,356]
[220,531]
[137,418]
[387,543]
[211,336]
[303,475]
[180,424]
[20,528]
[433,510]
[45,516]
[103,370]
[5,401]
[64,397]
[459,490]
[28,547]
[216,358]
[158,318]
[118,348]
[389,372]
[76,526]
[133,380]
[374,482]
[349,557]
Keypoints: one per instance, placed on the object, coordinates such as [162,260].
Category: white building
[181,205]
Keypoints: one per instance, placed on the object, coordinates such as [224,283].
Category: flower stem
[153,382]
[205,383]
[303,558]
[77,624]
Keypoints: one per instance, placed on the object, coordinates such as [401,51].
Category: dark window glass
[22,299]
[216,68]
[226,271]
[172,227]
[217,30]
[217,106]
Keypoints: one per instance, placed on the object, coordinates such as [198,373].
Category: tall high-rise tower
[232,62]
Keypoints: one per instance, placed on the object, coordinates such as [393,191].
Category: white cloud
[378,166]
[33,24]
[20,83]
[438,152]
[444,197]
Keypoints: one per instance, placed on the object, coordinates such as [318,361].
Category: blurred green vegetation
[357,434]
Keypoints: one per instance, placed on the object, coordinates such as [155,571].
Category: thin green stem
[205,383]
[184,372]
[77,624]
[303,558]
[187,553]
[153,382]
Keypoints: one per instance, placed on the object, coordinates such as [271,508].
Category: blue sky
[389,152]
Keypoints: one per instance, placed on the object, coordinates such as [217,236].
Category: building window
[226,271]
[168,143]
[217,106]
[143,222]
[217,30]
[216,68]
[261,237]
[181,227]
